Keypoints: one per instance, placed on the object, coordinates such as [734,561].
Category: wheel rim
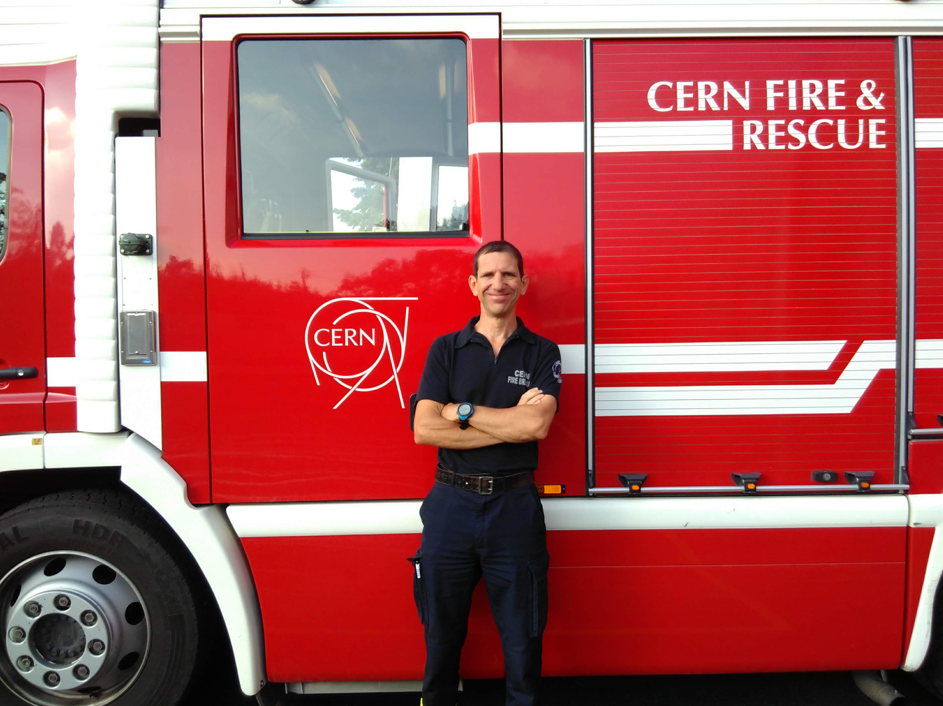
[75,629]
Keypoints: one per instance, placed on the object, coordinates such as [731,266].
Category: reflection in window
[364,136]
[452,198]
[4,171]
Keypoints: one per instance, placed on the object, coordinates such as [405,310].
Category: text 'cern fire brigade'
[229,235]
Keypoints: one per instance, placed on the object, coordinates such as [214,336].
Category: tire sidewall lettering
[12,537]
[97,531]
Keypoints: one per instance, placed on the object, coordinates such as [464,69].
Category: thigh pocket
[419,589]
[538,569]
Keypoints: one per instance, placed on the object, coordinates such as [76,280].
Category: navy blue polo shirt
[461,367]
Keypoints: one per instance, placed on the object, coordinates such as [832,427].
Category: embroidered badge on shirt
[520,377]
[558,371]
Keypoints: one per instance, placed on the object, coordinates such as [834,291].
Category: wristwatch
[465,410]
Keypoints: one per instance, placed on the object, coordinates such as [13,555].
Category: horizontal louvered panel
[928,107]
[718,228]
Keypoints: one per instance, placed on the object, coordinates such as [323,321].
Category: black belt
[483,485]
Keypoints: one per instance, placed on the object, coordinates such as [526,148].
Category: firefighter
[487,394]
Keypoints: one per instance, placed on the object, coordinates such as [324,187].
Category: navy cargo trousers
[503,538]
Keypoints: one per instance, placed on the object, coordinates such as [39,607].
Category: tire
[95,590]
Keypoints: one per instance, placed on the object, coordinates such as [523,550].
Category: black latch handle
[862,479]
[633,481]
[18,373]
[135,243]
[747,481]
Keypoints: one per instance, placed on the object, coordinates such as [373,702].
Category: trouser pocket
[419,590]
[538,569]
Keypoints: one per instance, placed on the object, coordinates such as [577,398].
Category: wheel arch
[926,512]
[207,534]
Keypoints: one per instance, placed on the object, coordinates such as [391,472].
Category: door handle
[18,373]
[927,433]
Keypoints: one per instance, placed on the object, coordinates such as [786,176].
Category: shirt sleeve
[549,373]
[434,384]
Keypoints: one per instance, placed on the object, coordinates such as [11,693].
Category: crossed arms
[437,424]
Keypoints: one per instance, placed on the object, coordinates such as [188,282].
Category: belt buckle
[481,490]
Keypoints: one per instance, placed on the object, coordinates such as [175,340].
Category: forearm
[449,435]
[516,425]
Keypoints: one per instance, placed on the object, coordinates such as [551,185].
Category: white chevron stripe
[663,136]
[712,400]
[928,133]
[929,354]
[837,398]
[523,138]
[484,138]
[715,357]
[703,357]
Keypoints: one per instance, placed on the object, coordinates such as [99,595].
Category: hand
[532,396]
[450,412]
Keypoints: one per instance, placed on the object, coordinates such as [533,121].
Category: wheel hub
[73,626]
[56,636]
[59,639]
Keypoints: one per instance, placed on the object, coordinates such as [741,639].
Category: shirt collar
[522,332]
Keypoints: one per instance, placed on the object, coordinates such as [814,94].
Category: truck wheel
[93,605]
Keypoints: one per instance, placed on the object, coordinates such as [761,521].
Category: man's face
[499,284]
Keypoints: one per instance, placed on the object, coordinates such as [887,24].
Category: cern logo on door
[351,341]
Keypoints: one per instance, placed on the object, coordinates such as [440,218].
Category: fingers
[536,400]
[529,395]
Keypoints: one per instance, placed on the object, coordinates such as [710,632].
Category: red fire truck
[230,231]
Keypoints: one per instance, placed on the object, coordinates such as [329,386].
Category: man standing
[487,394]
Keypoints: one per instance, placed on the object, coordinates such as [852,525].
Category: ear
[525,280]
[473,284]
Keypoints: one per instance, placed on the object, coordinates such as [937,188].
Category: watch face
[464,409]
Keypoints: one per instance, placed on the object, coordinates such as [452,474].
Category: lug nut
[51,679]
[81,672]
[17,634]
[63,602]
[96,647]
[24,663]
[33,609]
[89,618]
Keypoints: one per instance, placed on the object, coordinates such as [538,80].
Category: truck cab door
[22,327]
[351,170]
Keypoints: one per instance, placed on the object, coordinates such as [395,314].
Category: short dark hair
[499,246]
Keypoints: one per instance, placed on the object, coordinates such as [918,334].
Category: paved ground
[816,689]
[217,688]
[808,689]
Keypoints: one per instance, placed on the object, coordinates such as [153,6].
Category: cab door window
[353,137]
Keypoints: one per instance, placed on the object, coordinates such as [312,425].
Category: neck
[497,329]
